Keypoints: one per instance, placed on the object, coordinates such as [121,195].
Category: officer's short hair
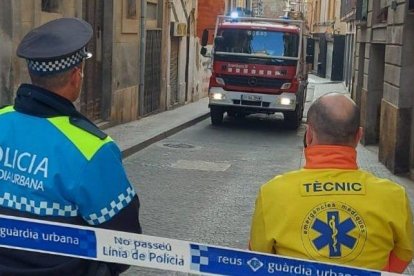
[330,128]
[51,82]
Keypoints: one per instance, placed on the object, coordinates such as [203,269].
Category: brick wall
[207,15]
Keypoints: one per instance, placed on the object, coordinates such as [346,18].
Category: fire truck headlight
[286,85]
[285,101]
[220,81]
[217,96]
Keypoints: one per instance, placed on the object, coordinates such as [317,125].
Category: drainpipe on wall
[187,62]
[142,57]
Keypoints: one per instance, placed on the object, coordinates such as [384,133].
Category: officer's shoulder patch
[88,127]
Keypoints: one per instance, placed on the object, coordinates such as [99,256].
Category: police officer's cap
[56,46]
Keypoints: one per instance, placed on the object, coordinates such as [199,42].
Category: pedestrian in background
[56,164]
[331,210]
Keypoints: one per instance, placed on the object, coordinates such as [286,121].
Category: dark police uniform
[54,163]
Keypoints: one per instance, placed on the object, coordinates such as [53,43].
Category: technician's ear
[358,135]
[305,145]
[309,135]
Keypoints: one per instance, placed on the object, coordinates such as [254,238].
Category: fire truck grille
[258,82]
[262,104]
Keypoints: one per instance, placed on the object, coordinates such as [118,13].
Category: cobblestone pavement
[200,184]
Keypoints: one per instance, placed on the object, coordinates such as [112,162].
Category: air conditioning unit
[179,29]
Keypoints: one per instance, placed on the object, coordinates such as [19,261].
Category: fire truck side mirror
[204,38]
[203,51]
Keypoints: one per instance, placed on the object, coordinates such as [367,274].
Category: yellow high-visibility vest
[345,216]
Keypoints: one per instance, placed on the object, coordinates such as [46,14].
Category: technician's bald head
[334,120]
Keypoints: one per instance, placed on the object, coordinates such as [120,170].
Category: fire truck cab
[258,66]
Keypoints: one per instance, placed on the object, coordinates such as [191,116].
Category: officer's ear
[81,73]
[79,70]
[77,76]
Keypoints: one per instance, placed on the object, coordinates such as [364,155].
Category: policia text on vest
[26,169]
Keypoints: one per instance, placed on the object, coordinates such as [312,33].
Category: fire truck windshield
[258,42]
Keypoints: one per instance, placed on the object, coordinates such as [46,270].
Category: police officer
[331,210]
[55,164]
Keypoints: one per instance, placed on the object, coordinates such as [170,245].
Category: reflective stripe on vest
[86,143]
[6,109]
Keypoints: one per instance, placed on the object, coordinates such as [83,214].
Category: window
[361,10]
[50,6]
[240,3]
[380,14]
[130,14]
[132,9]
[152,14]
[383,15]
[152,11]
[269,43]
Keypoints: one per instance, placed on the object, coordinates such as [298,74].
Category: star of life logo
[333,230]
[255,264]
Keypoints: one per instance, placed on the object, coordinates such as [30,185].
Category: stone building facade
[327,40]
[383,87]
[349,16]
[145,53]
[184,70]
[269,8]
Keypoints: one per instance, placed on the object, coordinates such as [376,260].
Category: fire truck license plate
[253,98]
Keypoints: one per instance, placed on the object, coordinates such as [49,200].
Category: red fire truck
[258,66]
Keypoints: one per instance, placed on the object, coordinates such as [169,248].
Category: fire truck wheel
[292,119]
[216,115]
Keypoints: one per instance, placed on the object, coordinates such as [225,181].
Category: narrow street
[183,89]
[200,184]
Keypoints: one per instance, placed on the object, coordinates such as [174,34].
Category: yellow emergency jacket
[331,211]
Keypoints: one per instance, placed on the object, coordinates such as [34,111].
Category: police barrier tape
[156,252]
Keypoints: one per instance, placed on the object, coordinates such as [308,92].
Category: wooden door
[91,98]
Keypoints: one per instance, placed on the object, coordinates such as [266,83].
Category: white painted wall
[190,45]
